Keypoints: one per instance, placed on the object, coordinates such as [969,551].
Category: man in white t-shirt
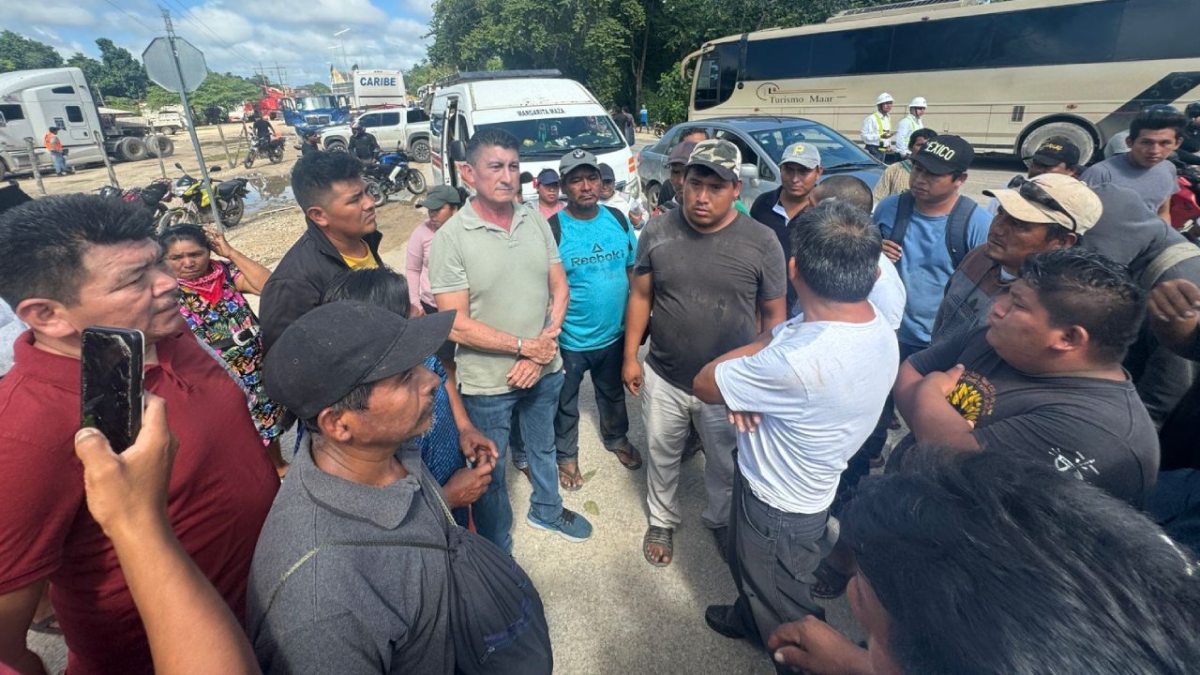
[803,397]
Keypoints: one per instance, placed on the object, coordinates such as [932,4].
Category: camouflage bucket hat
[721,156]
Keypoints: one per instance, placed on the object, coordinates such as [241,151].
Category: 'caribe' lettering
[939,149]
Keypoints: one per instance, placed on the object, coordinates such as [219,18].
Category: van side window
[12,112]
[74,113]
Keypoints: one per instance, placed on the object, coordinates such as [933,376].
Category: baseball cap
[441,196]
[547,177]
[945,154]
[575,159]
[334,348]
[681,153]
[606,173]
[804,154]
[1052,198]
[719,155]
[1054,151]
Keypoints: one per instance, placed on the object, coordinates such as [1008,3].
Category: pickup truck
[404,129]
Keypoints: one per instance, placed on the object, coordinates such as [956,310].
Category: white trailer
[31,101]
[378,88]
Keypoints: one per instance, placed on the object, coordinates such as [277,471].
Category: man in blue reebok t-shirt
[597,247]
[921,248]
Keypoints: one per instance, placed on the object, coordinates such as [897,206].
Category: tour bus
[1005,76]
[548,114]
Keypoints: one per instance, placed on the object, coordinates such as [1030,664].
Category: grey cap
[441,196]
[804,154]
[575,159]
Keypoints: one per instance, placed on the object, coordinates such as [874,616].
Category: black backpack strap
[622,220]
[555,228]
[904,209]
[956,229]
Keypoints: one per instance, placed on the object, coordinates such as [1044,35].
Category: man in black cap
[929,230]
[1056,154]
[548,192]
[352,373]
[678,156]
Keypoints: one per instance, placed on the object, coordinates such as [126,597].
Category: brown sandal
[629,457]
[659,536]
[569,480]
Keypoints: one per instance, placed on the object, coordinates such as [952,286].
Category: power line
[196,20]
[132,16]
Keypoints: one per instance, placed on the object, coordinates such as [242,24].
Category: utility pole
[279,75]
[191,124]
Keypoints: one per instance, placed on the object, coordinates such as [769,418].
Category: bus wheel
[1081,137]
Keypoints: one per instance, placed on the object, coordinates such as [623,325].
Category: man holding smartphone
[68,263]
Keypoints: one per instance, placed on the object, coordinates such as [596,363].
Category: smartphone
[111,383]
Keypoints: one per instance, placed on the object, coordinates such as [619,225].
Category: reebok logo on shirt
[598,256]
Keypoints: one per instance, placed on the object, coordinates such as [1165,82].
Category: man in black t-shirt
[716,280]
[1044,379]
[263,130]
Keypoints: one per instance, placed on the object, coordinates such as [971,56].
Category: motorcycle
[231,201]
[154,196]
[271,148]
[389,174]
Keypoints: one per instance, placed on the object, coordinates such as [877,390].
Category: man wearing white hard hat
[915,119]
[877,134]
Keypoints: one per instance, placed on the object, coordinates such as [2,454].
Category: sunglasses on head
[1037,194]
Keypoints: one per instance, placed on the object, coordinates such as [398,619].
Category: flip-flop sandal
[524,470]
[658,536]
[629,457]
[570,480]
[831,584]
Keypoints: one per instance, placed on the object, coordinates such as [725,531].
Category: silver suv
[762,141]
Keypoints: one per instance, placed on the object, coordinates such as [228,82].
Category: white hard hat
[918,102]
[883,98]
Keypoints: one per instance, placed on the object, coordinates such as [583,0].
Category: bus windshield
[554,136]
[836,151]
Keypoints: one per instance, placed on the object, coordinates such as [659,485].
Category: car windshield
[553,136]
[835,150]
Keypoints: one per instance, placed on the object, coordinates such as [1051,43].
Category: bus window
[1057,35]
[942,45]
[716,76]
[778,58]
[1174,39]
[851,52]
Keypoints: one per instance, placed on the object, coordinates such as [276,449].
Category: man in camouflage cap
[709,271]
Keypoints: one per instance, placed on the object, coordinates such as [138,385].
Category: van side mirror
[458,151]
[750,174]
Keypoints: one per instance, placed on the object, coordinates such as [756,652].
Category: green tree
[316,88]
[121,74]
[424,73]
[18,52]
[91,67]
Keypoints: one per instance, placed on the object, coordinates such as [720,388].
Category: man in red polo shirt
[67,263]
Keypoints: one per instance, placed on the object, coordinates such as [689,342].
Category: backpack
[956,226]
[497,620]
[556,226]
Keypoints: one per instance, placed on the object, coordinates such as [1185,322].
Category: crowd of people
[1041,512]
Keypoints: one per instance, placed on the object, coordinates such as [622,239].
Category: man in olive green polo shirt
[498,265]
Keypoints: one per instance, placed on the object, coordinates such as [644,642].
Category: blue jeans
[492,415]
[60,162]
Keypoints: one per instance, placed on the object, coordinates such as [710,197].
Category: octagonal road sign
[160,65]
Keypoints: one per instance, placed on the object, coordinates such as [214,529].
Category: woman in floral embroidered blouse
[211,300]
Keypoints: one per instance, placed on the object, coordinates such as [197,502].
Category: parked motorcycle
[391,173]
[195,200]
[154,196]
[271,148]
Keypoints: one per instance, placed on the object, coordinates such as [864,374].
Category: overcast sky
[235,35]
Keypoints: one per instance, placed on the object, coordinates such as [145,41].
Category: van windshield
[553,136]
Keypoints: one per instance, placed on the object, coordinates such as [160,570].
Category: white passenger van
[547,113]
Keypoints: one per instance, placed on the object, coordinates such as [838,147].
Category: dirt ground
[272,222]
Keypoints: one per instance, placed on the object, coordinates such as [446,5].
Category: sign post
[175,65]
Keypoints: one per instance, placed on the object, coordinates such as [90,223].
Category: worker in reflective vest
[877,132]
[55,147]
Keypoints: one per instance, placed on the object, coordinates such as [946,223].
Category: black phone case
[111,365]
